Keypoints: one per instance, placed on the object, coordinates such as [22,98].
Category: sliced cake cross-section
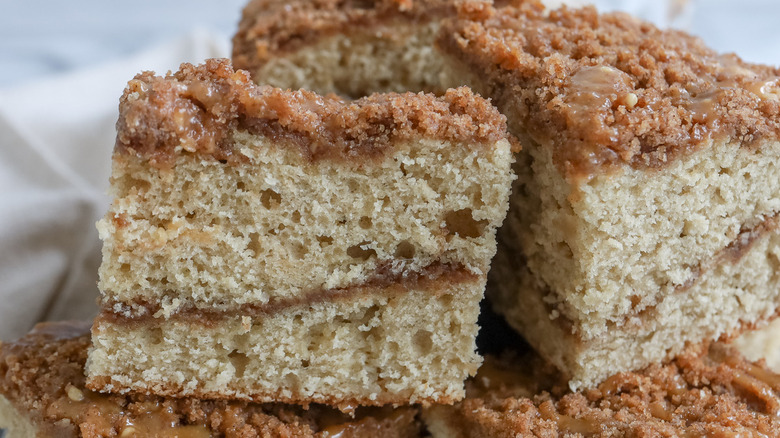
[645,211]
[283,246]
[646,208]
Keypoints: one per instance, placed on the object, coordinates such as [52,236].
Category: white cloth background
[64,67]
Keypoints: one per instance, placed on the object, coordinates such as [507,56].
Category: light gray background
[43,37]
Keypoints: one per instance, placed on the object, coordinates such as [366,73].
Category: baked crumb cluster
[610,89]
[703,392]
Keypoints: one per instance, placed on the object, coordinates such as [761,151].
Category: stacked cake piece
[644,214]
[353,48]
[282,246]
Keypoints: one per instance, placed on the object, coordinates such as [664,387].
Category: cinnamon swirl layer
[378,345]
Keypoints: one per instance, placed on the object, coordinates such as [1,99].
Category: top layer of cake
[267,29]
[197,108]
[610,89]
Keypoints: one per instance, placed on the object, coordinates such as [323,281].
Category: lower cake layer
[702,393]
[367,346]
[42,394]
[738,289]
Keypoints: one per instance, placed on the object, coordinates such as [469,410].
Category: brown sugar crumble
[196,109]
[700,393]
[609,89]
[43,374]
[262,34]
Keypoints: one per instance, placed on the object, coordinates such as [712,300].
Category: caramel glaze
[703,392]
[198,108]
[42,374]
[435,278]
[609,90]
[270,28]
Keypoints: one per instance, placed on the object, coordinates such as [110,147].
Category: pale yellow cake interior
[374,346]
[392,58]
[15,424]
[214,236]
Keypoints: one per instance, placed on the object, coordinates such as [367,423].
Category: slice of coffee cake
[645,211]
[42,394]
[702,392]
[282,246]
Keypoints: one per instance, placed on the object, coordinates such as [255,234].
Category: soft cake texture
[762,343]
[414,343]
[702,392]
[42,394]
[646,202]
[351,48]
[271,245]
[644,213]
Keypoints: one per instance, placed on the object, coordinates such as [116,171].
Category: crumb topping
[609,89]
[196,109]
[43,374]
[700,393]
[269,27]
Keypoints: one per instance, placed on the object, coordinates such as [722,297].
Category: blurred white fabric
[57,136]
[57,133]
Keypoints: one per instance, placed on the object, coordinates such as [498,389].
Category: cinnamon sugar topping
[609,89]
[197,109]
[701,393]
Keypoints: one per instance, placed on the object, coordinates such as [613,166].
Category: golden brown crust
[611,90]
[271,27]
[435,278]
[196,109]
[700,393]
[42,374]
